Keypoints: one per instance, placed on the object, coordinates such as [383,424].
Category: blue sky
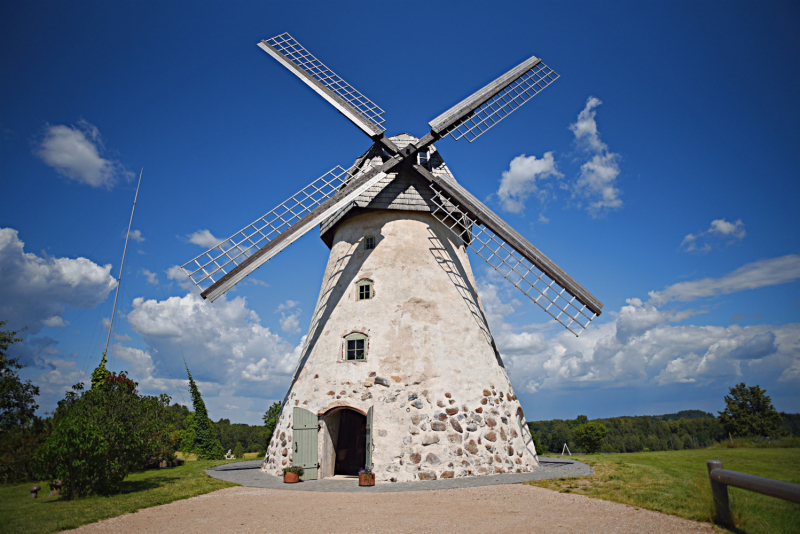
[660,171]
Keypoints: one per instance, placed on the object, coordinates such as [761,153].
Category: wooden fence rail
[722,478]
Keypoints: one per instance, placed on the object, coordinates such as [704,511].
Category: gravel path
[248,474]
[488,509]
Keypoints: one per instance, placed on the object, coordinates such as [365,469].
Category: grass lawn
[676,482]
[20,513]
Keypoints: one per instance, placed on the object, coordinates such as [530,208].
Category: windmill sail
[223,266]
[513,256]
[476,114]
[361,111]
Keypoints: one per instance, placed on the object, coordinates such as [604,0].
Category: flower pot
[366,480]
[291,478]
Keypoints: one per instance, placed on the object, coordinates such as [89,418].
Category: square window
[369,242]
[355,349]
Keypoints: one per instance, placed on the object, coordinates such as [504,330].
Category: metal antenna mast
[122,264]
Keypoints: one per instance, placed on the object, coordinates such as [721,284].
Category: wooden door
[370,446]
[305,428]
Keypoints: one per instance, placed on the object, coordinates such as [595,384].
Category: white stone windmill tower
[400,371]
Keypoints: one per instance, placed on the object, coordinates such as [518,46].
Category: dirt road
[491,509]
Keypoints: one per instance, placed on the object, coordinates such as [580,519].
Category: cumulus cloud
[55,321]
[761,273]
[75,152]
[36,290]
[720,228]
[203,238]
[643,345]
[137,236]
[520,180]
[176,273]
[596,183]
[224,343]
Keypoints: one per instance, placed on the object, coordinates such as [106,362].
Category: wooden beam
[475,100]
[335,100]
[483,215]
[336,202]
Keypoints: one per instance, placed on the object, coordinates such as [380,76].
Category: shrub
[238,451]
[590,436]
[101,435]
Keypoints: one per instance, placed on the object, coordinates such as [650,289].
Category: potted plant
[366,477]
[292,474]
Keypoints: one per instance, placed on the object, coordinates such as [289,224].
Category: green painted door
[305,428]
[370,446]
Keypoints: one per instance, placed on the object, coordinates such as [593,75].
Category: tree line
[748,414]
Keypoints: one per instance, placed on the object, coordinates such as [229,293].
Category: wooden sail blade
[344,97]
[476,114]
[223,266]
[513,256]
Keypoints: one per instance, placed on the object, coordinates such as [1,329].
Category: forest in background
[687,429]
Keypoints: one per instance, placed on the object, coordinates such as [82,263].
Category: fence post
[720,494]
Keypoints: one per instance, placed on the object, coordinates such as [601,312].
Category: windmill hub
[399,371]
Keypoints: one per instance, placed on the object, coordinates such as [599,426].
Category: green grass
[676,482]
[20,513]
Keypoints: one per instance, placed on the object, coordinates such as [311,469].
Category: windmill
[399,371]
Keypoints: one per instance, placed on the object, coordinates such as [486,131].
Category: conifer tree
[206,443]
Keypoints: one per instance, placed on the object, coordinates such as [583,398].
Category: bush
[101,435]
[590,436]
[238,451]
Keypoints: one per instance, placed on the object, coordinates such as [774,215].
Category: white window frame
[360,284]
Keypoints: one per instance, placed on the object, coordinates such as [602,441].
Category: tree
[17,398]
[238,451]
[749,412]
[590,436]
[271,420]
[101,435]
[206,443]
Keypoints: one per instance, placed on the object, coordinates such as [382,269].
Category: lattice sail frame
[503,103]
[293,51]
[572,314]
[216,262]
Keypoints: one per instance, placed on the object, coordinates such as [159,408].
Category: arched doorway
[345,442]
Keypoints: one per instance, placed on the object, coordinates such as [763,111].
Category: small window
[355,348]
[365,290]
[369,242]
[422,159]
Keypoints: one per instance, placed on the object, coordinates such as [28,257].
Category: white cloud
[597,181]
[55,321]
[152,278]
[137,236]
[655,351]
[761,273]
[224,343]
[721,228]
[520,180]
[204,238]
[177,274]
[288,305]
[257,282]
[75,152]
[290,323]
[38,289]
